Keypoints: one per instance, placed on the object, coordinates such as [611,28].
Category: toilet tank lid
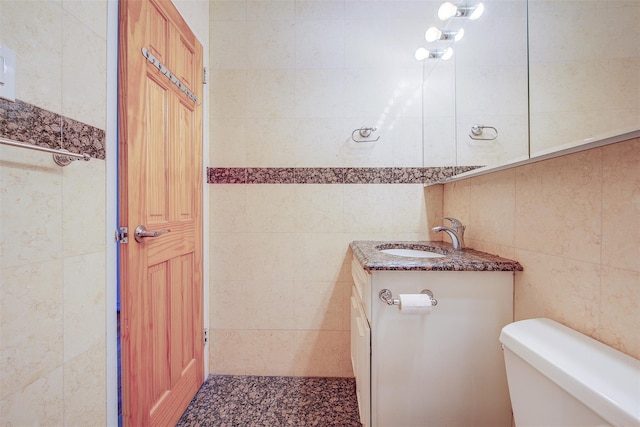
[601,377]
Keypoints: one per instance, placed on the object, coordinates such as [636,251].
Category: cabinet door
[361,357]
[363,379]
[354,333]
[362,282]
[446,368]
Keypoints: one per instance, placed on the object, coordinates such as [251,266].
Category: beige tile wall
[52,275]
[290,81]
[573,222]
[52,225]
[280,269]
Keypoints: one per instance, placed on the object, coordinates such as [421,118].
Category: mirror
[478,98]
[584,71]
[491,86]
[532,77]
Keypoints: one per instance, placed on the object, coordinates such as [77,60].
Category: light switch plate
[7,74]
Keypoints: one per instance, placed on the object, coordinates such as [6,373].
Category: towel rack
[61,157]
[364,133]
[477,131]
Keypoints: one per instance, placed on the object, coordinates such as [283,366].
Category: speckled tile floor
[247,401]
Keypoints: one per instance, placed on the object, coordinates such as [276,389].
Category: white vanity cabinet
[440,369]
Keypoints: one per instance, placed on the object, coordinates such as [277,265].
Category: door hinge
[205,76]
[205,335]
[122,235]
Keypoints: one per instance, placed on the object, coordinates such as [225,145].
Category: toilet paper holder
[385,295]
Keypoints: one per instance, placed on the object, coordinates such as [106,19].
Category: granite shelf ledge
[368,254]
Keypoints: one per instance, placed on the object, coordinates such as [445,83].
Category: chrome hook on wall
[477,130]
[364,132]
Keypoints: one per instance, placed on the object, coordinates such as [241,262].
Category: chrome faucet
[456,232]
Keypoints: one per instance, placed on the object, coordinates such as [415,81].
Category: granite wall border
[396,175]
[27,123]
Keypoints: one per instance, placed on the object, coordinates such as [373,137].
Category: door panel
[160,188]
[159,284]
[157,135]
[184,297]
[182,171]
[158,34]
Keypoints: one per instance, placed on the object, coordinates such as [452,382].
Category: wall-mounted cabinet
[584,72]
[547,75]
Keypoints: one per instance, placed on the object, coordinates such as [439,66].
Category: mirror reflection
[476,103]
[584,71]
[528,78]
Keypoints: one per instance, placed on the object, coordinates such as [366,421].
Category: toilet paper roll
[415,304]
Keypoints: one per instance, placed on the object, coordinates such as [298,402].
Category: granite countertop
[367,252]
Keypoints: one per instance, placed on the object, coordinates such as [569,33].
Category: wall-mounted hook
[478,130]
[364,132]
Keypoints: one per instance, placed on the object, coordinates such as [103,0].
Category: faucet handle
[456,225]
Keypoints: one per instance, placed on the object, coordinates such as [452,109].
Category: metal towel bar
[477,131]
[365,133]
[61,157]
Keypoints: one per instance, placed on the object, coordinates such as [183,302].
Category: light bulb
[422,54]
[477,12]
[447,10]
[432,34]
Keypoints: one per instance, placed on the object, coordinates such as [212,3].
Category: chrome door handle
[141,232]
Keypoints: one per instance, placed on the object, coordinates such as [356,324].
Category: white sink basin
[413,253]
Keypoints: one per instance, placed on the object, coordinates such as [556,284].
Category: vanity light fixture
[433,34]
[423,53]
[449,10]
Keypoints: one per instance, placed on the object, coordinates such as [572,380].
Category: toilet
[560,377]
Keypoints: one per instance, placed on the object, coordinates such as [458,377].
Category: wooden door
[160,131]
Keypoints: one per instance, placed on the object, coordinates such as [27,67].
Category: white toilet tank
[560,377]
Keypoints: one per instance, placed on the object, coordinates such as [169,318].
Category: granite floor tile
[247,401]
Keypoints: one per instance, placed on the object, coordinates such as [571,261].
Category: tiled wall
[573,223]
[52,228]
[280,269]
[293,79]
[290,81]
